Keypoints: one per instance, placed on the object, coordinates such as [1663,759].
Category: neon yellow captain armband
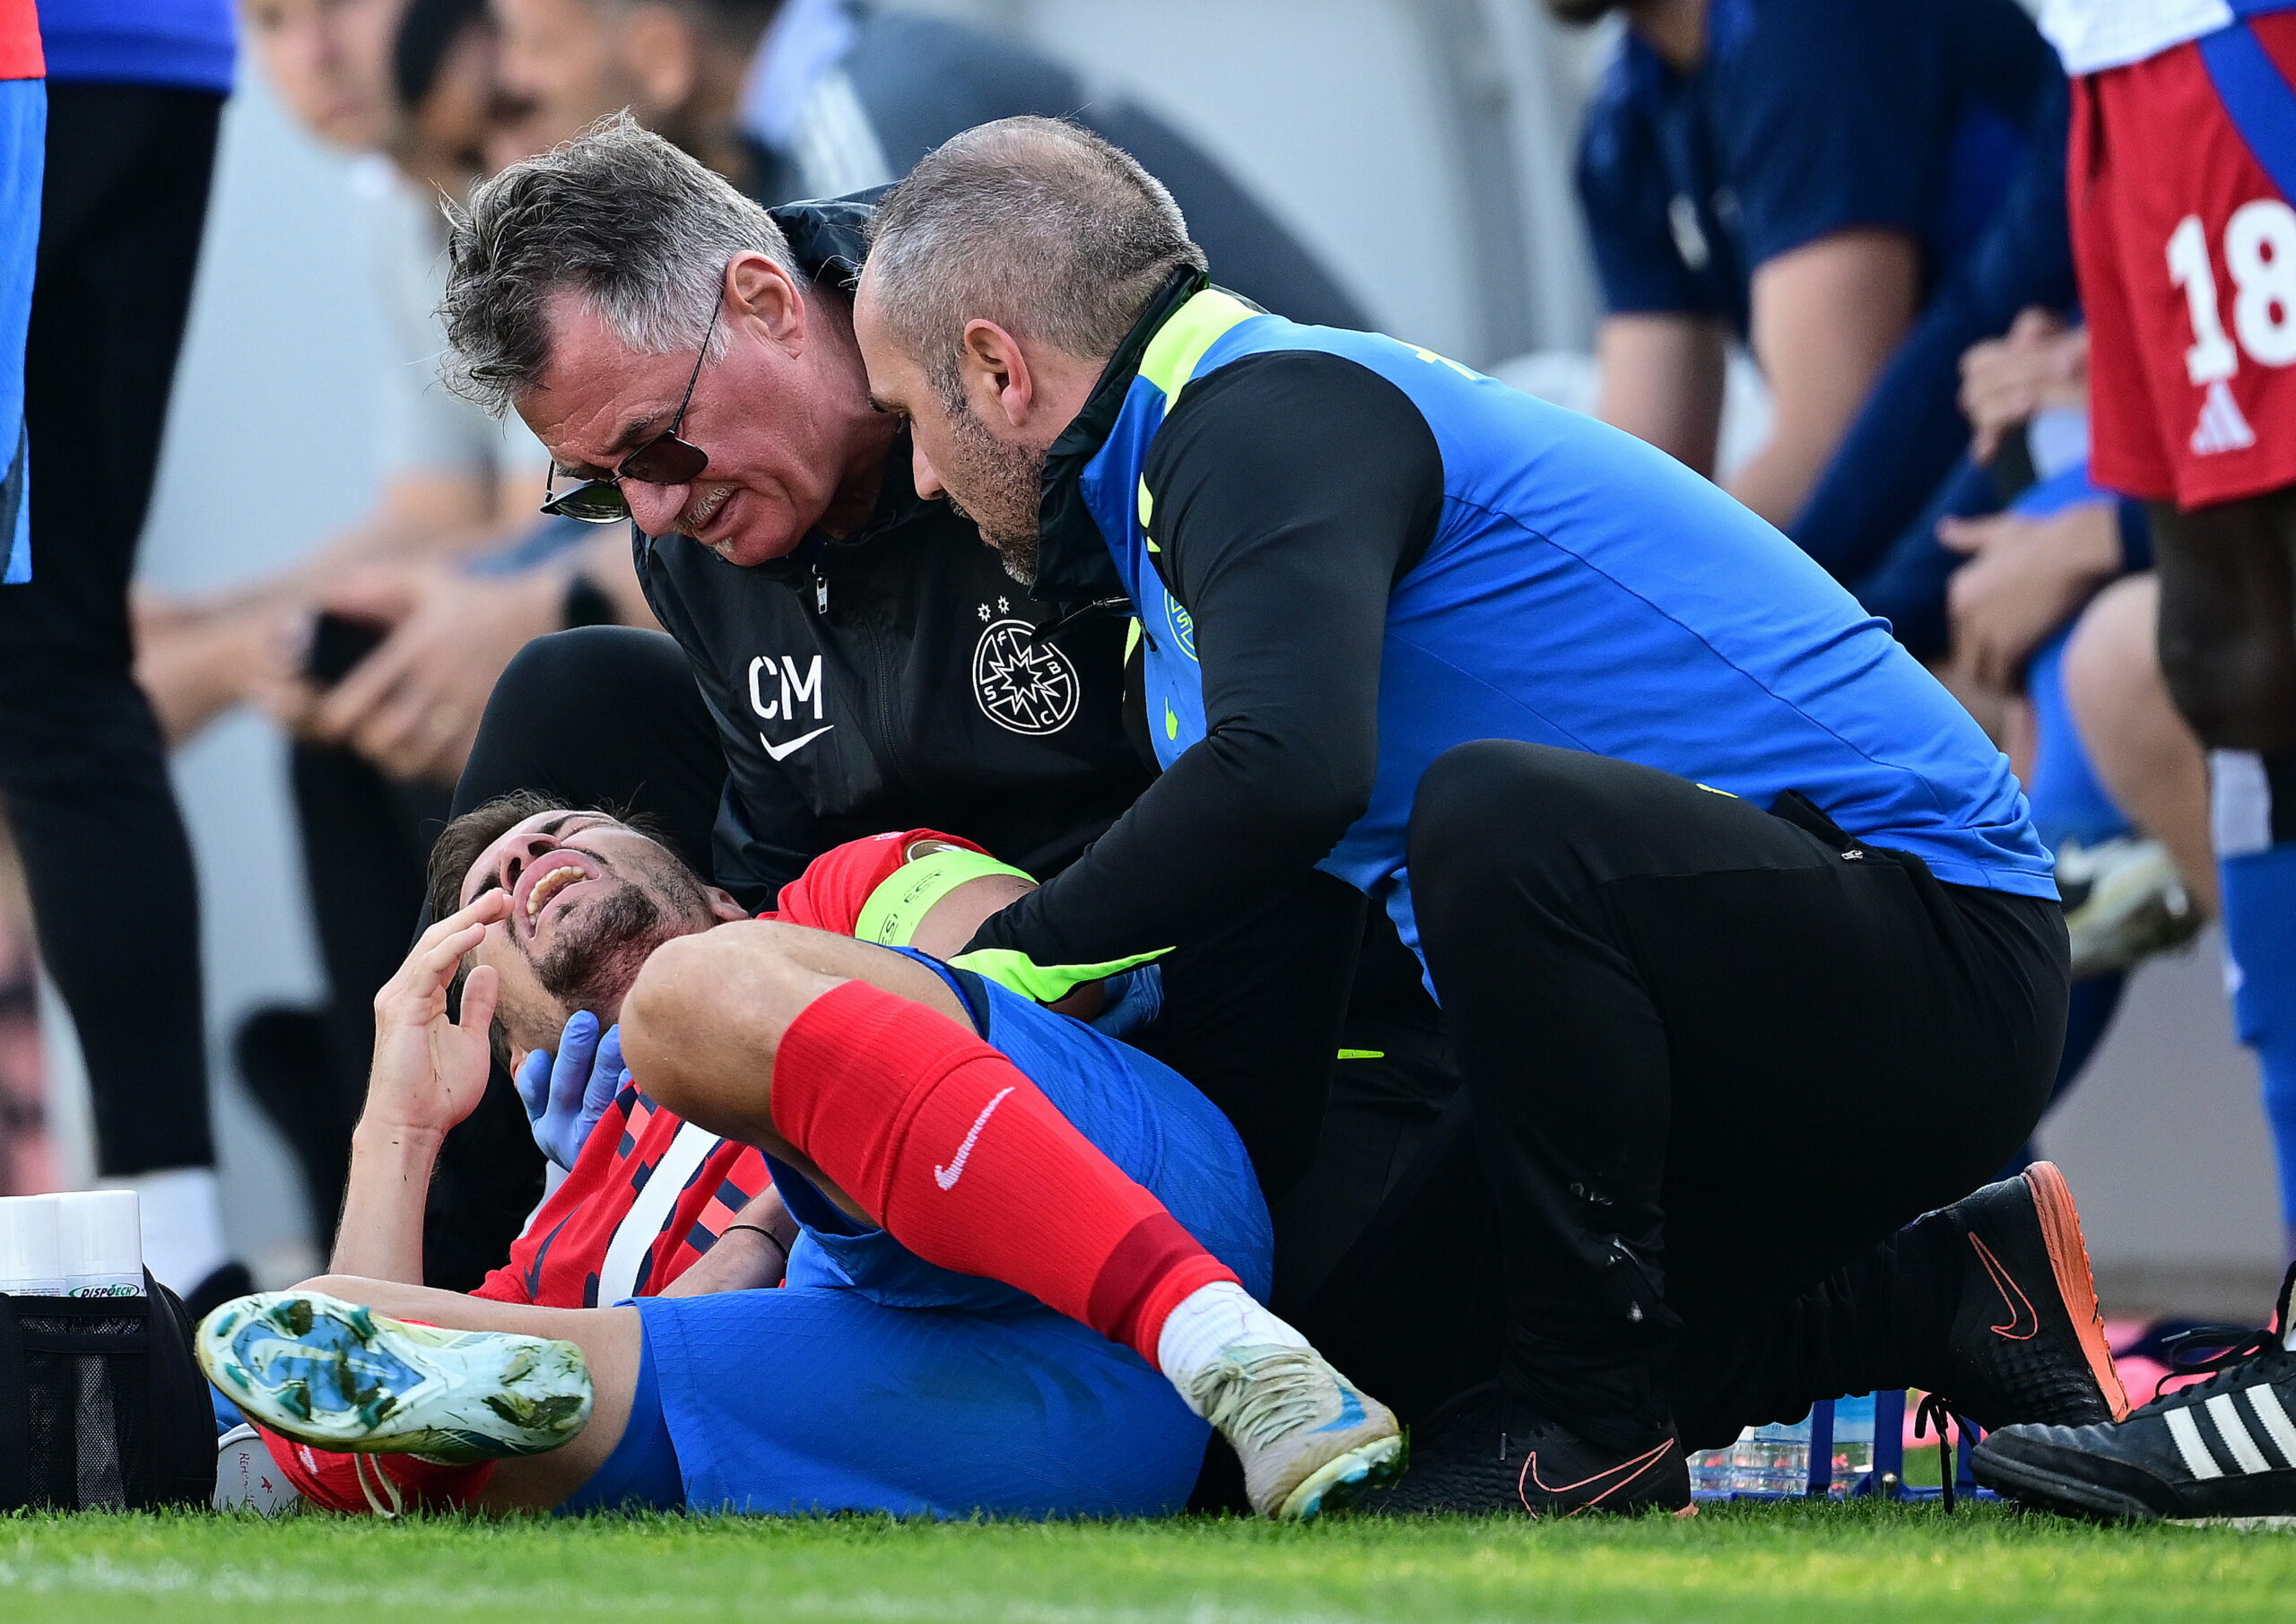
[1016,972]
[899,904]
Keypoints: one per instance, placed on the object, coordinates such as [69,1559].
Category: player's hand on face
[430,1069]
[567,1092]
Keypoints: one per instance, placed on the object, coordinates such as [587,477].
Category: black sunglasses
[664,460]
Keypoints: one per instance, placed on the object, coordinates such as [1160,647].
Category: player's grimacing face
[590,901]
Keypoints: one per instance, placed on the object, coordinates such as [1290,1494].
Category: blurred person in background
[2187,251]
[378,650]
[23,119]
[27,1154]
[1801,176]
[2036,589]
[797,99]
[2181,178]
[676,65]
[135,90]
[2031,593]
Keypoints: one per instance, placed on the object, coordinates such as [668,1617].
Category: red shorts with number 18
[2186,253]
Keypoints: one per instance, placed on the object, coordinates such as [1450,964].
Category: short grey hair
[1036,224]
[617,215]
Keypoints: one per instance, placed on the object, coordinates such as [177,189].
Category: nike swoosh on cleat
[946,1178]
[1631,1469]
[1351,1412]
[782,752]
[2012,1297]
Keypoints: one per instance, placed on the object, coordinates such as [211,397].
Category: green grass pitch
[1845,1565]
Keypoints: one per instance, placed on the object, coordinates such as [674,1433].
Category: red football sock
[958,1157]
[378,1485]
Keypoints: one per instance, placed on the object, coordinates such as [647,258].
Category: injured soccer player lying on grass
[1023,1259]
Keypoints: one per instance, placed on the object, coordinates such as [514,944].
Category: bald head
[1034,224]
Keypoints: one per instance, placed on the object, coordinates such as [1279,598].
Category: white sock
[1211,1318]
[183,1223]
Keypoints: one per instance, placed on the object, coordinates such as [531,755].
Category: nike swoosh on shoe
[2012,1297]
[1626,1472]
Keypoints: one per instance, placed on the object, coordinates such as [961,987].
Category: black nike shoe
[1480,1454]
[2221,1451]
[2027,1343]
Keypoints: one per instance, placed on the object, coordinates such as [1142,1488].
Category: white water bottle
[99,1236]
[30,1257]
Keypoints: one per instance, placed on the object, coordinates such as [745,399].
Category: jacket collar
[1072,561]
[829,237]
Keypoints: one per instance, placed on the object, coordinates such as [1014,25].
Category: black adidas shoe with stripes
[2221,1451]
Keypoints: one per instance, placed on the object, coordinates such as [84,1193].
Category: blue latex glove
[1134,998]
[566,1093]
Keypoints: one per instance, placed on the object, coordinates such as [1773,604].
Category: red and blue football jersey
[647,1170]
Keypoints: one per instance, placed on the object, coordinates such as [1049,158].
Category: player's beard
[597,955]
[1003,490]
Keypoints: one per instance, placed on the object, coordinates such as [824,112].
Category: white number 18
[2260,253]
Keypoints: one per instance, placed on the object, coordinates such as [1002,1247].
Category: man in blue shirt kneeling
[1745,945]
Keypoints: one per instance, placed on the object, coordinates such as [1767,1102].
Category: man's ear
[996,374]
[761,292]
[723,908]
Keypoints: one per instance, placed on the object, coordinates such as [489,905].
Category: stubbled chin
[746,550]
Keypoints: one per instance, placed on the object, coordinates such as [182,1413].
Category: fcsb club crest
[1023,686]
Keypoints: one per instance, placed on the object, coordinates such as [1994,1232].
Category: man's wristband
[585,603]
[758,1229]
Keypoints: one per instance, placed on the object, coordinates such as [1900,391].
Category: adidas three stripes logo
[2232,1433]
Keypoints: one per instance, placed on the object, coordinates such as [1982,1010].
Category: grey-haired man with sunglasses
[687,360]
[848,657]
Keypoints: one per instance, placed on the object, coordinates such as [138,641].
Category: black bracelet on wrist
[585,603]
[758,1229]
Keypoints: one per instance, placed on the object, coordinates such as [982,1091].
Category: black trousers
[1714,1059]
[82,770]
[366,843]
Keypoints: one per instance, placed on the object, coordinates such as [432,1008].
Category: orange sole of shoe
[2068,1258]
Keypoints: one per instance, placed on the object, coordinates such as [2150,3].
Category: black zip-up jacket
[895,678]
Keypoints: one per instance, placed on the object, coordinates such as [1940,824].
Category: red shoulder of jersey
[835,887]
